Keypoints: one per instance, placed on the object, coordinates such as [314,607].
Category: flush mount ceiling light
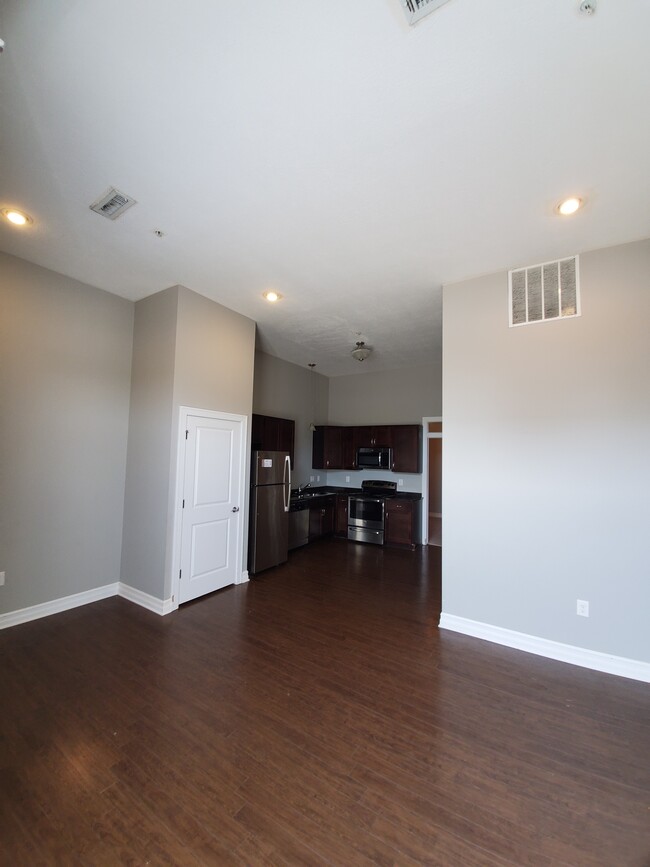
[272,296]
[361,352]
[569,206]
[18,218]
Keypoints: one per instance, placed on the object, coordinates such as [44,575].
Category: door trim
[425,472]
[183,413]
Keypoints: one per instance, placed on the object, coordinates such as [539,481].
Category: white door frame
[425,472]
[183,413]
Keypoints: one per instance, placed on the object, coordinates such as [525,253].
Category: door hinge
[183,503]
[187,433]
[180,572]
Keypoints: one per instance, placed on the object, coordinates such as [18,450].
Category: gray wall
[215,353]
[403,396]
[546,464]
[215,356]
[187,351]
[65,359]
[289,391]
[150,443]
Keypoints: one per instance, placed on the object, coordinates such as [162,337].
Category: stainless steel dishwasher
[298,525]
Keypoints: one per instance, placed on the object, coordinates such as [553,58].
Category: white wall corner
[593,659]
[55,606]
[145,600]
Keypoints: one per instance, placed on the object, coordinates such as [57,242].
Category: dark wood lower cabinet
[321,518]
[402,522]
[341,521]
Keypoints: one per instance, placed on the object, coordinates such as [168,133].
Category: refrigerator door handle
[287,482]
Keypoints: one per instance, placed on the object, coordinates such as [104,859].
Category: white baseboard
[619,665]
[55,606]
[65,603]
[244,577]
[151,603]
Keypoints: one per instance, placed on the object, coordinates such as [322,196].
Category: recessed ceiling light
[272,296]
[18,218]
[569,206]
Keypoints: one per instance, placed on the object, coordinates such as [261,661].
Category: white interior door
[212,500]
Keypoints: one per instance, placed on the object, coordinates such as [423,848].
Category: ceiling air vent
[542,292]
[416,9]
[112,204]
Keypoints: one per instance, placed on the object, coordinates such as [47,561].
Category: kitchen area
[378,510]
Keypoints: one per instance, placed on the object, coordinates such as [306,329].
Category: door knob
[235,508]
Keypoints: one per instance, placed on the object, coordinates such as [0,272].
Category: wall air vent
[542,292]
[416,9]
[112,204]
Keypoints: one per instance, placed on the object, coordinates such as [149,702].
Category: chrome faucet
[302,488]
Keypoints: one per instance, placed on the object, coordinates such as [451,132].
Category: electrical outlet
[582,608]
[318,478]
[347,478]
[2,578]
[400,482]
[311,478]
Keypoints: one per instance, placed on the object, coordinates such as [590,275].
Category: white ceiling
[325,149]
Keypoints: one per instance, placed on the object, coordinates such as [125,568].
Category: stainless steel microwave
[373,458]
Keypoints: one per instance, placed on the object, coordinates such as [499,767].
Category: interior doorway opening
[432,481]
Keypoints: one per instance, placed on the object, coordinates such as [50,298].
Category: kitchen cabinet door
[321,518]
[375,436]
[406,442]
[348,448]
[399,523]
[269,433]
[327,448]
[341,520]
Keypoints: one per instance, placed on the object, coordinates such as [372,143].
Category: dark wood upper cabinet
[327,448]
[377,436]
[272,434]
[348,448]
[406,442]
[335,446]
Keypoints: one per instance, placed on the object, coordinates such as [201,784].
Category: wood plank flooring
[314,716]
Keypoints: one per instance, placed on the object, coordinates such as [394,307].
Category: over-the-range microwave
[373,458]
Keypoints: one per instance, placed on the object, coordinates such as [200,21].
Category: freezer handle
[287,482]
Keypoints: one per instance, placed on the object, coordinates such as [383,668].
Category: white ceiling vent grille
[112,204]
[416,9]
[542,292]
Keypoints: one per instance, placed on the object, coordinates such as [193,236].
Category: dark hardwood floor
[314,716]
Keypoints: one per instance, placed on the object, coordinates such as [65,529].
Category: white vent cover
[112,204]
[542,292]
[416,9]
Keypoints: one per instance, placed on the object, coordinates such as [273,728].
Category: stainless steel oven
[366,511]
[366,519]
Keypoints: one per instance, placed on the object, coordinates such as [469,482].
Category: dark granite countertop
[327,490]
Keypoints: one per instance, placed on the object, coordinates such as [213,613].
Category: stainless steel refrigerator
[270,497]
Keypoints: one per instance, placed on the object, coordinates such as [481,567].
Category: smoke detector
[416,9]
[112,204]
[361,352]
